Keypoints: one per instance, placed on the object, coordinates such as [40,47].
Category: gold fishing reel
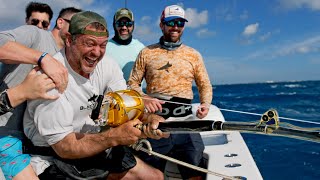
[119,107]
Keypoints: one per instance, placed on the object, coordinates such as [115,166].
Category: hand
[127,133]
[202,111]
[152,104]
[150,129]
[56,71]
[35,86]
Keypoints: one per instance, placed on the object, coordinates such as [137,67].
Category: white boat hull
[225,151]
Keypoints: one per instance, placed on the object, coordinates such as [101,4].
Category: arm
[52,67]
[205,88]
[35,86]
[77,145]
[152,104]
[16,47]
[135,79]
[138,73]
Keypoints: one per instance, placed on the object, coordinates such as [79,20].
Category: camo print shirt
[171,72]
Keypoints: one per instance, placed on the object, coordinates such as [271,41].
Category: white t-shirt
[47,122]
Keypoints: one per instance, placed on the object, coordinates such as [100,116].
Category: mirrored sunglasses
[122,23]
[172,23]
[45,24]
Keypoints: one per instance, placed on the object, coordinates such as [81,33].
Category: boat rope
[241,112]
[139,147]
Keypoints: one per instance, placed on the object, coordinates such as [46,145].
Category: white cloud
[146,31]
[225,70]
[196,19]
[296,4]
[265,36]
[250,29]
[309,45]
[205,33]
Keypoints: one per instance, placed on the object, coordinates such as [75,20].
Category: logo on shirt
[92,103]
[166,67]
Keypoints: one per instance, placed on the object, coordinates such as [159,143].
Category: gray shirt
[13,74]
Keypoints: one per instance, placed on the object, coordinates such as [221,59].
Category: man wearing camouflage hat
[122,47]
[63,128]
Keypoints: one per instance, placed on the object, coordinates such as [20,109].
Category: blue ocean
[276,157]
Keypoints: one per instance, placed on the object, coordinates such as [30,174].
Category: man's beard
[168,38]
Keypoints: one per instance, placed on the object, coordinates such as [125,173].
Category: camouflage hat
[123,12]
[81,20]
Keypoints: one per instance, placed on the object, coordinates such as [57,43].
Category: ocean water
[276,157]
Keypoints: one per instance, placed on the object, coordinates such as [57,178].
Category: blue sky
[241,41]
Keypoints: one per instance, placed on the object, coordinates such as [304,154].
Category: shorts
[185,147]
[119,160]
[12,161]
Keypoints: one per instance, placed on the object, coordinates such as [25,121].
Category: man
[15,164]
[122,47]
[14,93]
[34,86]
[62,25]
[64,126]
[39,14]
[169,68]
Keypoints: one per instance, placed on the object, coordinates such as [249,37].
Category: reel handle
[139,126]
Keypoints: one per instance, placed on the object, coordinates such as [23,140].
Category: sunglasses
[172,23]
[45,24]
[66,20]
[122,23]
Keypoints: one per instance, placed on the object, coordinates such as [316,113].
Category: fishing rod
[235,111]
[116,108]
[269,124]
[119,107]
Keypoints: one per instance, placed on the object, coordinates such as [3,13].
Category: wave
[295,86]
[286,93]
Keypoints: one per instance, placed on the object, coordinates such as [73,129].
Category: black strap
[29,148]
[6,131]
[175,109]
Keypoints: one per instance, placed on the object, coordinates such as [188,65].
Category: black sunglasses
[45,24]
[122,23]
[172,23]
[66,20]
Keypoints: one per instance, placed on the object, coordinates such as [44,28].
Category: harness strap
[29,148]
[5,131]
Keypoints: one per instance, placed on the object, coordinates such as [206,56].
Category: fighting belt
[175,109]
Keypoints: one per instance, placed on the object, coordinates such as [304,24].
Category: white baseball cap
[172,12]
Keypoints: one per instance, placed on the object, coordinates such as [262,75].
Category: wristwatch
[5,105]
